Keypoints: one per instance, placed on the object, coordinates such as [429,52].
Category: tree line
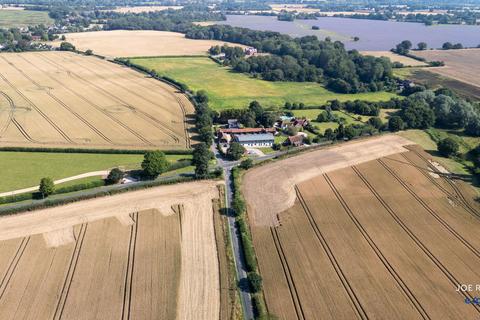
[303,59]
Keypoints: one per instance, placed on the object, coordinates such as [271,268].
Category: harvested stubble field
[60,99]
[462,65]
[148,254]
[388,238]
[406,61]
[142,43]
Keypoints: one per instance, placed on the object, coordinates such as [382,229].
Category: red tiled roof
[247,130]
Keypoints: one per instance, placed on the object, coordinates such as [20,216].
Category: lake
[374,35]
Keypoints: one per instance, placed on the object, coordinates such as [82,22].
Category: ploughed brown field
[113,258]
[389,238]
[60,99]
[462,65]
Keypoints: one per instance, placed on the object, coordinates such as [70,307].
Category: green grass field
[25,169]
[23,18]
[322,126]
[228,89]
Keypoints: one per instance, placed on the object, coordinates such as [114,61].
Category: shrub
[47,187]
[115,176]
[395,124]
[447,147]
[246,164]
[236,151]
[255,282]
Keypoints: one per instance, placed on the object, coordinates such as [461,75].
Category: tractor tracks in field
[39,111]
[70,273]
[59,101]
[13,266]
[297,303]
[427,208]
[100,109]
[450,277]
[457,195]
[391,270]
[145,116]
[128,282]
[358,307]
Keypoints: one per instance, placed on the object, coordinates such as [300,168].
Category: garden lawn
[25,169]
[23,18]
[228,89]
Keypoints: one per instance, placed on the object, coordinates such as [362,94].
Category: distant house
[36,38]
[295,141]
[291,122]
[250,51]
[255,139]
[300,123]
[233,124]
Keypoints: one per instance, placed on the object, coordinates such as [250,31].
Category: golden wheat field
[389,238]
[60,99]
[148,254]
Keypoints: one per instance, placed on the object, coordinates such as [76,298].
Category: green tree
[395,123]
[329,134]
[47,187]
[447,147]
[255,281]
[236,151]
[201,157]
[375,122]
[154,164]
[114,176]
[422,46]
[67,46]
[246,164]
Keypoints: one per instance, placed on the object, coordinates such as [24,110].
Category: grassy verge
[25,169]
[228,89]
[258,299]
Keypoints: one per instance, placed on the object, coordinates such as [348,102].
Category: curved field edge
[228,89]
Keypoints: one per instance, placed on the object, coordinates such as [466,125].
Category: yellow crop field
[60,99]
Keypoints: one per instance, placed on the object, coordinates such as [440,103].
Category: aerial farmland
[366,233]
[60,99]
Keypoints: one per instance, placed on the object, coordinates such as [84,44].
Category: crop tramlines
[403,286]
[100,109]
[458,193]
[60,102]
[13,266]
[34,106]
[128,282]
[288,275]
[359,309]
[154,121]
[430,210]
[451,278]
[72,266]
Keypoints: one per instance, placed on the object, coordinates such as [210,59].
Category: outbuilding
[255,139]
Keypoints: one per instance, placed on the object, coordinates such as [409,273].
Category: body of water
[374,35]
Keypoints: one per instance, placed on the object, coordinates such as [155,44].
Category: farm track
[71,271]
[55,98]
[445,224]
[119,122]
[288,275]
[405,289]
[34,106]
[128,284]
[451,278]
[154,121]
[12,266]
[10,113]
[361,313]
[458,194]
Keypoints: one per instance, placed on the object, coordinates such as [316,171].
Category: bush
[236,151]
[114,176]
[67,46]
[447,147]
[246,164]
[47,187]
[255,282]
[395,124]
[154,164]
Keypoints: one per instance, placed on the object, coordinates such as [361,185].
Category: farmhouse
[295,141]
[255,139]
[250,51]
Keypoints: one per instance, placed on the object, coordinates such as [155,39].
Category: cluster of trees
[303,59]
[451,46]
[231,53]
[440,108]
[204,117]
[253,116]
[13,40]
